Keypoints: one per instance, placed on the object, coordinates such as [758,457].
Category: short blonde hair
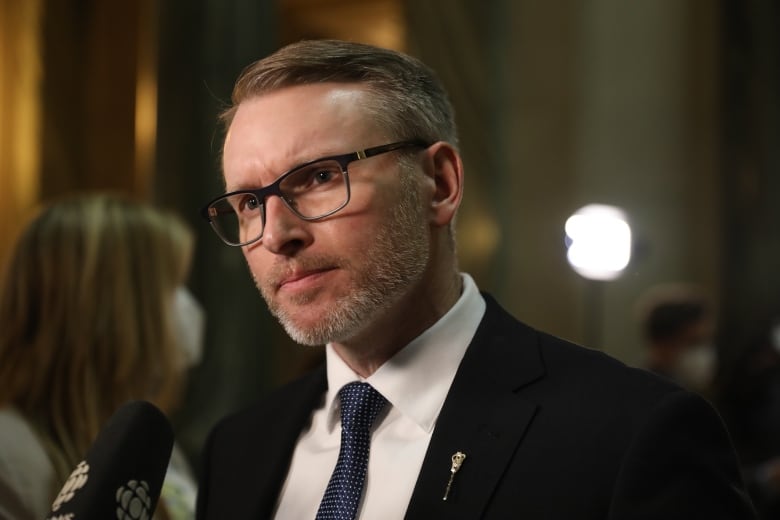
[86,316]
[407,98]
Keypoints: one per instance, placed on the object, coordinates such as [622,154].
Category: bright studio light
[599,242]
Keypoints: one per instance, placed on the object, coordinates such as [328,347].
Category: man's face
[327,280]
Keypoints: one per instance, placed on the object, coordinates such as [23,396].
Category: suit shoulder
[293,397]
[560,363]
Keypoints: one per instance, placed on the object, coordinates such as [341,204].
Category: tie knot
[360,404]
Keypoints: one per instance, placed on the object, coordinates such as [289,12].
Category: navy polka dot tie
[360,404]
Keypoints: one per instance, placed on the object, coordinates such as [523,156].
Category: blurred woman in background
[91,316]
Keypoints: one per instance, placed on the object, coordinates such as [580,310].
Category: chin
[328,325]
[307,336]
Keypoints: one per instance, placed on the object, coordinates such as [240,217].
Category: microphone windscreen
[123,471]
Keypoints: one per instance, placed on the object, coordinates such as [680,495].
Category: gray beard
[396,261]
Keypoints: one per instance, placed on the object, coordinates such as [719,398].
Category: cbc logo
[133,501]
[75,481]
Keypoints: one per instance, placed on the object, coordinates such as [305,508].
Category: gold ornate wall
[20,76]
[77,101]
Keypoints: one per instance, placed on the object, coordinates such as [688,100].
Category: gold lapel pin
[457,460]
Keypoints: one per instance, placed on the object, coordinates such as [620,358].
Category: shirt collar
[416,379]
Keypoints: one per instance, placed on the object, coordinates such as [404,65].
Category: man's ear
[446,171]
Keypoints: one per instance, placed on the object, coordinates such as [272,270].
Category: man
[343,180]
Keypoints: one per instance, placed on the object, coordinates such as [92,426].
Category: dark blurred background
[665,108]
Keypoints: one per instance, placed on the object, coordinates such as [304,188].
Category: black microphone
[122,474]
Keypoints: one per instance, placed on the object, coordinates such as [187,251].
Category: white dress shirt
[415,383]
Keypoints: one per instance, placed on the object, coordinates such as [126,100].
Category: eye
[322,176]
[316,177]
[248,202]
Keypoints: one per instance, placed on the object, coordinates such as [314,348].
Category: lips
[302,279]
[295,274]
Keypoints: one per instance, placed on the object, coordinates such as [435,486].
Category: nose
[284,232]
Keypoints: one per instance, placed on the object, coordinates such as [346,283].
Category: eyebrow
[252,186]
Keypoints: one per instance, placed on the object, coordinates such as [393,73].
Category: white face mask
[190,323]
[695,368]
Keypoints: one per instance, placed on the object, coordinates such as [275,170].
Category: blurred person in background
[93,313]
[750,400]
[678,328]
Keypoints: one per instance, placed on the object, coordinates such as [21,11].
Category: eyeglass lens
[312,191]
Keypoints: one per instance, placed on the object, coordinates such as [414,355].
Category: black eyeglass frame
[273,189]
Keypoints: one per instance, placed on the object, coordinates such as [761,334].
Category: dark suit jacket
[551,431]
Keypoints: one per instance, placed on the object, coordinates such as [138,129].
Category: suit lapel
[483,417]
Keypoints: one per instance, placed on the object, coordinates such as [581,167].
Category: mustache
[285,268]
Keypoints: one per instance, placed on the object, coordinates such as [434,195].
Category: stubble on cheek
[378,275]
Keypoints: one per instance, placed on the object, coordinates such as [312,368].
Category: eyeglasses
[312,191]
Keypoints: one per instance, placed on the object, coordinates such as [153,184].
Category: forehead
[277,130]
